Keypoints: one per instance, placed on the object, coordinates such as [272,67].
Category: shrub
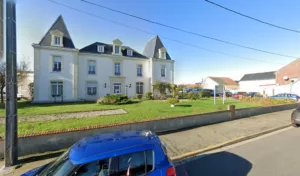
[267,101]
[139,96]
[204,94]
[114,99]
[172,101]
[30,89]
[149,96]
[193,96]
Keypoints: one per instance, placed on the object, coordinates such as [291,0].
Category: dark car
[112,154]
[296,117]
[211,92]
[254,94]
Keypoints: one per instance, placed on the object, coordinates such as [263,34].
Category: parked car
[254,94]
[296,117]
[286,96]
[211,92]
[113,154]
[238,94]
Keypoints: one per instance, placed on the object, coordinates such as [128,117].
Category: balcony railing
[92,72]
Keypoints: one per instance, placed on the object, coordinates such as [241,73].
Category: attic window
[57,40]
[163,54]
[100,48]
[129,52]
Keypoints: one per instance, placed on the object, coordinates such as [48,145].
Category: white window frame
[117,68]
[58,86]
[91,64]
[139,88]
[91,88]
[139,70]
[119,85]
[55,63]
[129,52]
[163,69]
[100,48]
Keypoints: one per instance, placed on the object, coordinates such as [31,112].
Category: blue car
[114,154]
[286,96]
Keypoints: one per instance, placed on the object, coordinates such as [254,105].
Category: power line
[189,32]
[255,19]
[177,41]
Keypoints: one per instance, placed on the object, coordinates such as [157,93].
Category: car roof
[111,144]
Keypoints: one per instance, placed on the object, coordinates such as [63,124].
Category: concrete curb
[223,144]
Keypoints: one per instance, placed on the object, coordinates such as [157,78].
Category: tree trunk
[1,91]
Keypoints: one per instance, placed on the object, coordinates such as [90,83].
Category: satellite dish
[285,78]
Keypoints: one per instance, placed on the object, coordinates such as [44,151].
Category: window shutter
[51,63]
[62,64]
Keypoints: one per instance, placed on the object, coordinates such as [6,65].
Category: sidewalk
[182,142]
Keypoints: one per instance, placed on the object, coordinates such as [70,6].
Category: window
[139,87]
[117,88]
[163,71]
[91,88]
[139,163]
[139,70]
[129,52]
[57,64]
[94,168]
[92,67]
[162,55]
[117,69]
[57,40]
[101,48]
[56,88]
[117,49]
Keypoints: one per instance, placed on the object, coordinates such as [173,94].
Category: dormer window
[162,53]
[56,38]
[100,48]
[117,47]
[129,52]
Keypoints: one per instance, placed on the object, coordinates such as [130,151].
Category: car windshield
[59,167]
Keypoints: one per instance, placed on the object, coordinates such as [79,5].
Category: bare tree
[23,68]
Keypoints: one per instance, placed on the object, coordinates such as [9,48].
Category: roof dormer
[56,38]
[162,53]
[117,47]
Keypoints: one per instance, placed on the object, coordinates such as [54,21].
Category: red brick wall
[291,70]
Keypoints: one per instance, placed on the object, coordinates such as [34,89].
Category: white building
[264,83]
[210,83]
[64,73]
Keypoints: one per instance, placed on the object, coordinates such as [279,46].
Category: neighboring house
[288,78]
[23,85]
[65,73]
[210,83]
[258,82]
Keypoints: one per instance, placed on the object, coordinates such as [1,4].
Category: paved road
[185,141]
[275,154]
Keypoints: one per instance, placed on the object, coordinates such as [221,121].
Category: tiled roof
[108,49]
[60,25]
[152,47]
[223,80]
[259,76]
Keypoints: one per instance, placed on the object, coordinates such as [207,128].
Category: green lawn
[136,112]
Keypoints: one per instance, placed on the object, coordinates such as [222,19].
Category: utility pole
[11,128]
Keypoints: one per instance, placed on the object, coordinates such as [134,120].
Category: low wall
[56,140]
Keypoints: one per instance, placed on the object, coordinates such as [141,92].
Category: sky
[34,18]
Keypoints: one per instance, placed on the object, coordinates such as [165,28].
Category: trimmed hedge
[172,101]
[139,96]
[114,100]
[149,96]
